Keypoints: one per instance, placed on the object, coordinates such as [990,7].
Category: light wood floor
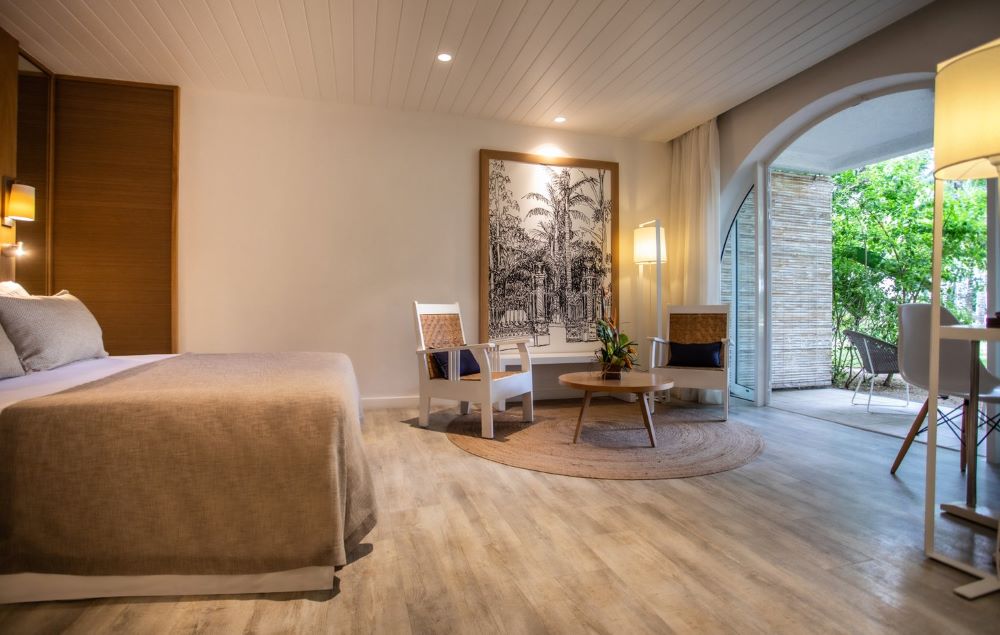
[814,536]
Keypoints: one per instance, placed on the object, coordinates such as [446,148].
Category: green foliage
[882,244]
[617,349]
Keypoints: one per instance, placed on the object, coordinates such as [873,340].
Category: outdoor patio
[889,413]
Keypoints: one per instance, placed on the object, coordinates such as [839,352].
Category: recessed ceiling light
[444,57]
[560,119]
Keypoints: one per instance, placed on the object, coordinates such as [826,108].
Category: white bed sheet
[52,381]
[39,587]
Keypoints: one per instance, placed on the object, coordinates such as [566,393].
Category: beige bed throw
[197,464]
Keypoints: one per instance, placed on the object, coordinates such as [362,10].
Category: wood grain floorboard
[814,536]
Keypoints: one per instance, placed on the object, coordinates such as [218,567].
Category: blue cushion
[696,355]
[467,364]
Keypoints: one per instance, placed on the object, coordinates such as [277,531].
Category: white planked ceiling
[633,68]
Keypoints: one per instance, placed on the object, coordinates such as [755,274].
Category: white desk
[969,510]
[989,582]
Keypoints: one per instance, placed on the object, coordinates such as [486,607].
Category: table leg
[969,510]
[972,431]
[647,418]
[583,412]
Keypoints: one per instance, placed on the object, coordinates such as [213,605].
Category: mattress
[65,377]
[32,585]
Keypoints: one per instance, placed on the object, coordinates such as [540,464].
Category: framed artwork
[548,248]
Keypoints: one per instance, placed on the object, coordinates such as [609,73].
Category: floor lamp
[650,248]
[966,146]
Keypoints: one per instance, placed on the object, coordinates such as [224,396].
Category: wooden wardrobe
[102,155]
[114,194]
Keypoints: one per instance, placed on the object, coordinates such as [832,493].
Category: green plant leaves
[882,218]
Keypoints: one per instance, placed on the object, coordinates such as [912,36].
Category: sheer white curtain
[693,217]
[693,227]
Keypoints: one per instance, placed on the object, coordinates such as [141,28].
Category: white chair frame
[488,390]
[699,378]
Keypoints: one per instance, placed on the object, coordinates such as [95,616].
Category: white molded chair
[953,376]
[696,324]
[439,330]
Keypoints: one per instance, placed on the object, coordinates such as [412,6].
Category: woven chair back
[441,330]
[698,328]
[877,356]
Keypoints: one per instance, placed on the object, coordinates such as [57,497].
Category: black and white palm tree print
[549,251]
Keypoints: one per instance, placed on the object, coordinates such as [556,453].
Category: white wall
[900,56]
[311,226]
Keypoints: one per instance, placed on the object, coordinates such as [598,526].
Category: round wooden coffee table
[637,383]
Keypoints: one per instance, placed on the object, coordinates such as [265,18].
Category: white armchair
[698,324]
[439,330]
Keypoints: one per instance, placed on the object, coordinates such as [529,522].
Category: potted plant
[617,353]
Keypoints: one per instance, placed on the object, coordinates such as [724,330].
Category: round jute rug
[614,444]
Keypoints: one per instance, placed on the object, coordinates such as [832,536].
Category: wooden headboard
[8,132]
[109,169]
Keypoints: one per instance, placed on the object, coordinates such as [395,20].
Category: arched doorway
[850,127]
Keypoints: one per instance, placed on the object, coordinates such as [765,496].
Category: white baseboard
[381,403]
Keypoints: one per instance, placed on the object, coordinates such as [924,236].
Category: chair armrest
[448,349]
[655,344]
[522,350]
[478,351]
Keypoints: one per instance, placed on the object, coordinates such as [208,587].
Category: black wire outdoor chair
[878,357]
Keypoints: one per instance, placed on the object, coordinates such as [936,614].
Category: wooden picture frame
[548,269]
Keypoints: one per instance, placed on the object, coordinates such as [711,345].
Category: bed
[181,475]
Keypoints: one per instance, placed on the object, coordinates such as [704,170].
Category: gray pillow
[50,331]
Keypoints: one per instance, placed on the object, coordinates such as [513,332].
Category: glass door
[739,289]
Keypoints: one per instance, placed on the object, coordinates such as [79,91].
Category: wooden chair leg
[528,407]
[464,407]
[908,441]
[487,421]
[425,411]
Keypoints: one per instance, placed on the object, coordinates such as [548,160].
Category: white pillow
[9,287]
[50,331]
[10,365]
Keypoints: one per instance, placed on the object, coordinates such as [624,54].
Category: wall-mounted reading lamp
[17,202]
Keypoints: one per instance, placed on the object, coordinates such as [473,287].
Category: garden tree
[510,245]
[600,206]
[559,203]
[882,242]
[505,207]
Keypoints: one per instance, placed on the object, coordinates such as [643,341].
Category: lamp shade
[967,115]
[21,204]
[644,250]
